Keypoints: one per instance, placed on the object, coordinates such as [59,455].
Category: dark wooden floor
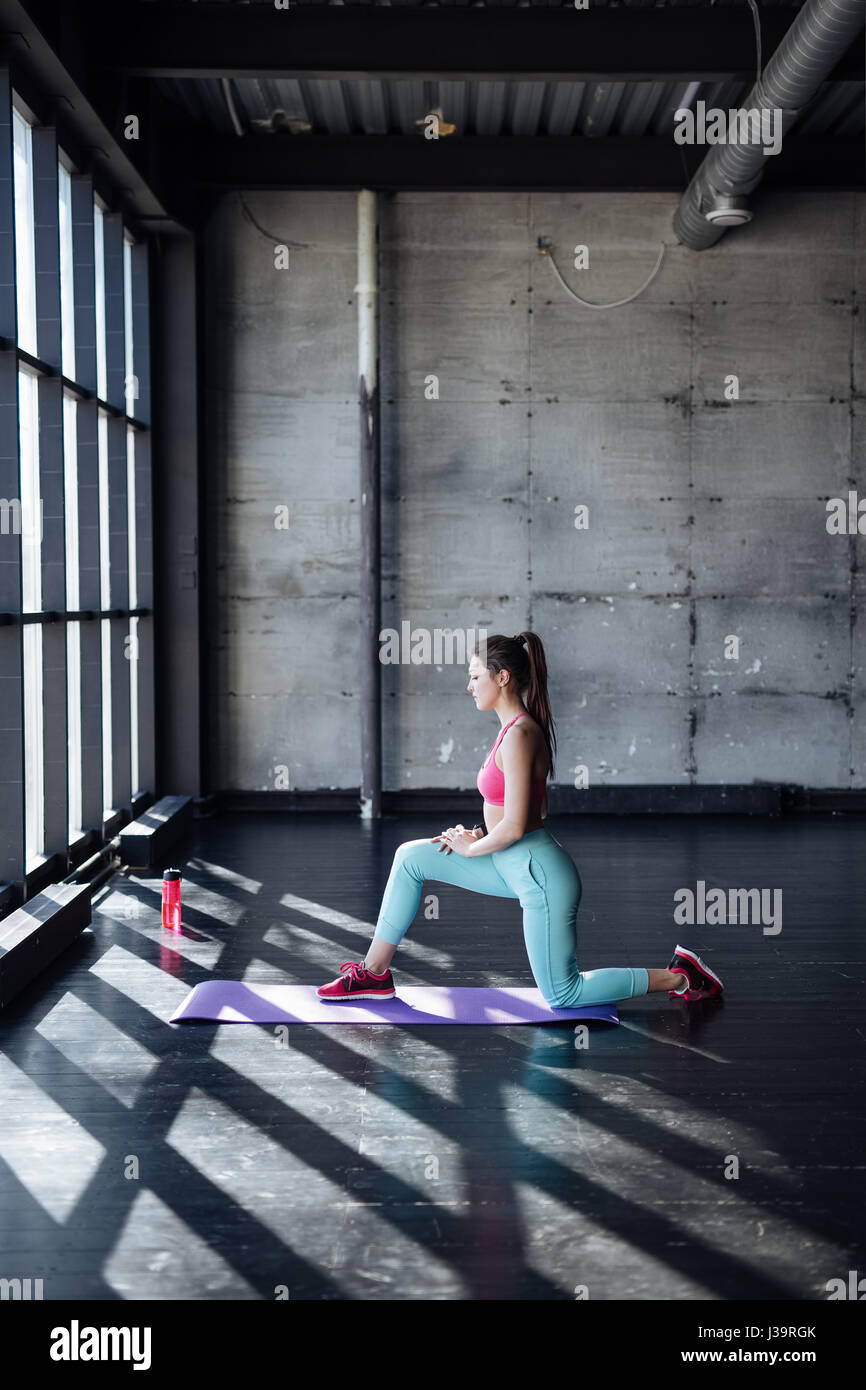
[377,1162]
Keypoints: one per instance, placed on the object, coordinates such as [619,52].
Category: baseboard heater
[34,934]
[145,842]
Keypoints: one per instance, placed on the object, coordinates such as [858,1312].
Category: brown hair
[528,671]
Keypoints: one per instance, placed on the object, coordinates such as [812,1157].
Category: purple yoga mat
[232,1001]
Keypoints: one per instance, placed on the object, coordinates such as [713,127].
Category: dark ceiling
[240,94]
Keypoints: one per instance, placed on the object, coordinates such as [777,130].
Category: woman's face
[482,686]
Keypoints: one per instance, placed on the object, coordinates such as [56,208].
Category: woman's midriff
[493,815]
[534,820]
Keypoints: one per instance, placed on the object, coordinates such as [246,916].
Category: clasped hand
[456,838]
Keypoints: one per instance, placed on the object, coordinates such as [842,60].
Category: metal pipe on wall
[370,591]
[819,37]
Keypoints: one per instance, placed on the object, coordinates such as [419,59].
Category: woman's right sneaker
[356,982]
[703,983]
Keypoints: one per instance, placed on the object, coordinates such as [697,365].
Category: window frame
[126,267]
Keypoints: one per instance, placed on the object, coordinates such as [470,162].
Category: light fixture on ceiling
[728,210]
[443,127]
[279,122]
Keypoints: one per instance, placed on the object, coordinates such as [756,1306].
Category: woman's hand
[442,839]
[459,839]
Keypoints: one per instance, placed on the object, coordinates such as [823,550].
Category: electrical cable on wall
[269,236]
[546,250]
[239,130]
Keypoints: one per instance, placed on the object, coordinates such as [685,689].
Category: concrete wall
[707,517]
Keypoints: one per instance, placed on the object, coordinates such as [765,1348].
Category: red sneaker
[703,983]
[356,982]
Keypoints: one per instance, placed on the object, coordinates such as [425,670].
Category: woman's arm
[500,837]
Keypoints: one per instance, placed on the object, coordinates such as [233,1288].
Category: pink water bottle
[171,899]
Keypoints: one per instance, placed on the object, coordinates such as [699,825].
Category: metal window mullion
[89,589]
[144,574]
[84,283]
[115,342]
[121,666]
[12,818]
[84,290]
[46,240]
[53,564]
[11,636]
[140,261]
[50,616]
[8,304]
[46,212]
[140,407]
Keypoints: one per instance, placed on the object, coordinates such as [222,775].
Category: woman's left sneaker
[356,982]
[703,983]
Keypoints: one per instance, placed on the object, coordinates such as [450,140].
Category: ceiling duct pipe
[715,199]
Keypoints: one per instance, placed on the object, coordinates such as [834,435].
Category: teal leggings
[538,872]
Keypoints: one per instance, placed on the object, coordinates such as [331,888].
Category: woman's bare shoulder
[529,730]
[526,727]
[540,748]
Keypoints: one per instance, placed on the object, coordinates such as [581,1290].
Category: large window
[31,599]
[25,257]
[99,276]
[130,387]
[73,629]
[69,649]
[67,284]
[135,732]
[105,602]
[29,507]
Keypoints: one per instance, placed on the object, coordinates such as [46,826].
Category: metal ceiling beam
[550,163]
[390,42]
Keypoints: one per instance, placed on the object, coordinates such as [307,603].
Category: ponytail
[536,698]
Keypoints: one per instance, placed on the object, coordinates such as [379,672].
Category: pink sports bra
[491,780]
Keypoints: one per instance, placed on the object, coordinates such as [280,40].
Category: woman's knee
[560,998]
[409,850]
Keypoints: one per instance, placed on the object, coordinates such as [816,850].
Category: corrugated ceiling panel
[494,107]
[488,107]
[485,108]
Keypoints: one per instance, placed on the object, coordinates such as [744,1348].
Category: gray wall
[707,517]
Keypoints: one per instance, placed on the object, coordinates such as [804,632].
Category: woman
[515,858]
